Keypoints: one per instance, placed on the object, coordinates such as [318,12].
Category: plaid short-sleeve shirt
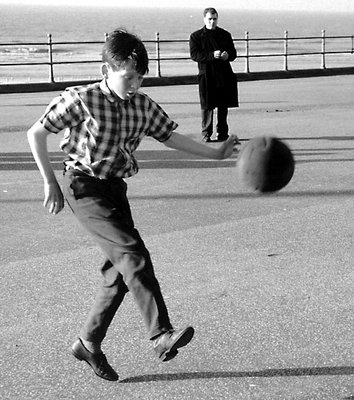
[101,132]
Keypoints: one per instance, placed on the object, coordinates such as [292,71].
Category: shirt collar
[111,97]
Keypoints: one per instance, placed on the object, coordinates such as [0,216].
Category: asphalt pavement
[266,280]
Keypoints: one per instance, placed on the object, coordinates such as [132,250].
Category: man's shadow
[268,373]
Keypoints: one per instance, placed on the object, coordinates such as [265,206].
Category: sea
[24,33]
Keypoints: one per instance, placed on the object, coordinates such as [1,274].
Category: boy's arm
[184,143]
[53,196]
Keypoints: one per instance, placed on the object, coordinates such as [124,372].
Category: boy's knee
[137,270]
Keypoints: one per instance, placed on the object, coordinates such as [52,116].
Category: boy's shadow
[268,373]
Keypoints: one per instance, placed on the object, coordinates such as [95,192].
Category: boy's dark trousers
[103,209]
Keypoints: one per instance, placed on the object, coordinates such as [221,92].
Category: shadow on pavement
[305,193]
[269,373]
[204,196]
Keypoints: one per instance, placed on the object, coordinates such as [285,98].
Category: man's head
[210,18]
[125,62]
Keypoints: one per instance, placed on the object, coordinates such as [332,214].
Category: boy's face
[123,81]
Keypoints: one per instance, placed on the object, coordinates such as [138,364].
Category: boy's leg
[102,207]
[108,299]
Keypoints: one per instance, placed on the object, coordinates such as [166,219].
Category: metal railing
[323,52]
[248,49]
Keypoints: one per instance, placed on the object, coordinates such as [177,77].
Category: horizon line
[19,3]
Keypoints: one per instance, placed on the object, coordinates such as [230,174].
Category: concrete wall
[180,80]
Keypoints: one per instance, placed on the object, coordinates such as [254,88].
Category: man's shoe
[222,138]
[237,140]
[98,362]
[166,345]
[206,139]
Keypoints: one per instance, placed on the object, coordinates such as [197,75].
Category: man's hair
[121,46]
[210,10]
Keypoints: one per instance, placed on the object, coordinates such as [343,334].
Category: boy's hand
[53,197]
[184,143]
[229,147]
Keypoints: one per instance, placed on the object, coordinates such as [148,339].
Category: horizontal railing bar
[270,39]
[180,40]
[176,58]
[257,38]
[313,53]
[24,64]
[24,44]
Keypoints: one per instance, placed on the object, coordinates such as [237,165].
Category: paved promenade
[266,280]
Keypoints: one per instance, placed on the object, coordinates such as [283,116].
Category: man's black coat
[217,81]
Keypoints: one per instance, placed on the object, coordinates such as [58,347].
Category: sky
[289,5]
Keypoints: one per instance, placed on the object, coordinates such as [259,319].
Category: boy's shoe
[98,362]
[166,345]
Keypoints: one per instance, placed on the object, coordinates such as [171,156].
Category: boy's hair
[121,46]
[210,10]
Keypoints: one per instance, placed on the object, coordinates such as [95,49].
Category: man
[213,49]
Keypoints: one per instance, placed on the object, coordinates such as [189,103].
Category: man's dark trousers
[222,127]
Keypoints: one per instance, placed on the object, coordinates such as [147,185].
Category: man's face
[211,20]
[125,81]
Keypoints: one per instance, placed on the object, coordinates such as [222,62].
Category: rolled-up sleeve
[62,112]
[162,126]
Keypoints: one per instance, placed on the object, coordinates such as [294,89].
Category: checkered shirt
[102,132]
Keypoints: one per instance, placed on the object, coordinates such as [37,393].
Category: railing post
[247,52]
[286,46]
[323,49]
[158,66]
[50,58]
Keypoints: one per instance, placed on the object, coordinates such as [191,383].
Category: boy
[104,124]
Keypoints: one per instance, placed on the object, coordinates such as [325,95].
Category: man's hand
[53,197]
[217,54]
[224,55]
